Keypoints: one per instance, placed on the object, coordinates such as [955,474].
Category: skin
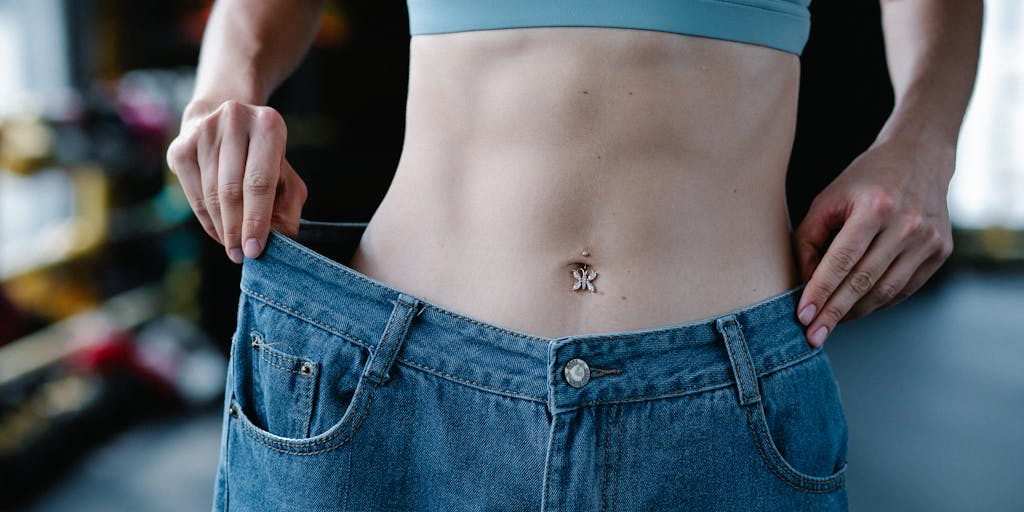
[661,155]
[889,205]
[229,154]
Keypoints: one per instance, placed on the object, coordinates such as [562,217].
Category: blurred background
[117,310]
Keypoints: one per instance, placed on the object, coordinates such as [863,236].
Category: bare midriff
[657,160]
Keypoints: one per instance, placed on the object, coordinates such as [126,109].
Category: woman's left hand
[889,207]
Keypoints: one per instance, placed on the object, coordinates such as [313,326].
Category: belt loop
[383,356]
[739,358]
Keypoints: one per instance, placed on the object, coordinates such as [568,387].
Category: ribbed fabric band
[780,24]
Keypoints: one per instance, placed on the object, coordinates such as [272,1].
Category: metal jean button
[576,373]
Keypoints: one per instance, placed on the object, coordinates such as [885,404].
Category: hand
[894,232]
[231,164]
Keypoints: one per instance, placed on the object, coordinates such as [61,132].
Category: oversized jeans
[344,393]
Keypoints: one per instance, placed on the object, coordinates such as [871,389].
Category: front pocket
[355,413]
[283,388]
[295,386]
[799,425]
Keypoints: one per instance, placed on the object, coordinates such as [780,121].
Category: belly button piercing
[584,276]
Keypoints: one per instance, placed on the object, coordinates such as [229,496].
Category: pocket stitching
[297,445]
[305,417]
[757,421]
[266,351]
[304,410]
[779,465]
[290,311]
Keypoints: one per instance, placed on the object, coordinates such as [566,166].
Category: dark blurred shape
[15,322]
[75,384]
[845,97]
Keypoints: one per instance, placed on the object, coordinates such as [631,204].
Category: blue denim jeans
[344,393]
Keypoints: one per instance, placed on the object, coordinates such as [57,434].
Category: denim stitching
[348,484]
[443,374]
[302,251]
[283,359]
[775,464]
[617,468]
[707,322]
[275,365]
[678,392]
[792,359]
[761,427]
[263,353]
[601,372]
[406,320]
[388,328]
[359,341]
[306,411]
[744,353]
[751,376]
[302,413]
[402,360]
[486,326]
[280,354]
[227,459]
[547,463]
[329,328]
[707,387]
[269,443]
[604,476]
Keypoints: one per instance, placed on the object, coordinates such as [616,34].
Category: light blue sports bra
[780,24]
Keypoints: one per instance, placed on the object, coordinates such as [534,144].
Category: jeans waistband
[299,278]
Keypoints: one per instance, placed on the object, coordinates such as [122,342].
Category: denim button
[576,373]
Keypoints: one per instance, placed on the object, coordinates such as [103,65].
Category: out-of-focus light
[987,189]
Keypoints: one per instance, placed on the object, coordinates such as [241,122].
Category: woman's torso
[663,155]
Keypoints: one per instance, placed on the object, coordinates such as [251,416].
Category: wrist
[205,99]
[932,157]
[921,117]
[918,138]
[199,108]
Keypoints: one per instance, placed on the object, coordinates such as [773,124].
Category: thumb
[291,196]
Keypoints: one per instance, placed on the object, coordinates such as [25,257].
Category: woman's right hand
[230,160]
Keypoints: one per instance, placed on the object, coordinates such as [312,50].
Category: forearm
[932,51]
[249,48]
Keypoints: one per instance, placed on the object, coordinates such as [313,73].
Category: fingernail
[807,314]
[252,248]
[235,254]
[819,336]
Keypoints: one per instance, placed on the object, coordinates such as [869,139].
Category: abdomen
[662,155]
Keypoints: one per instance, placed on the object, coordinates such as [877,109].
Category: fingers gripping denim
[344,393]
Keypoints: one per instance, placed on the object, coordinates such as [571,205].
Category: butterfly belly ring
[584,276]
